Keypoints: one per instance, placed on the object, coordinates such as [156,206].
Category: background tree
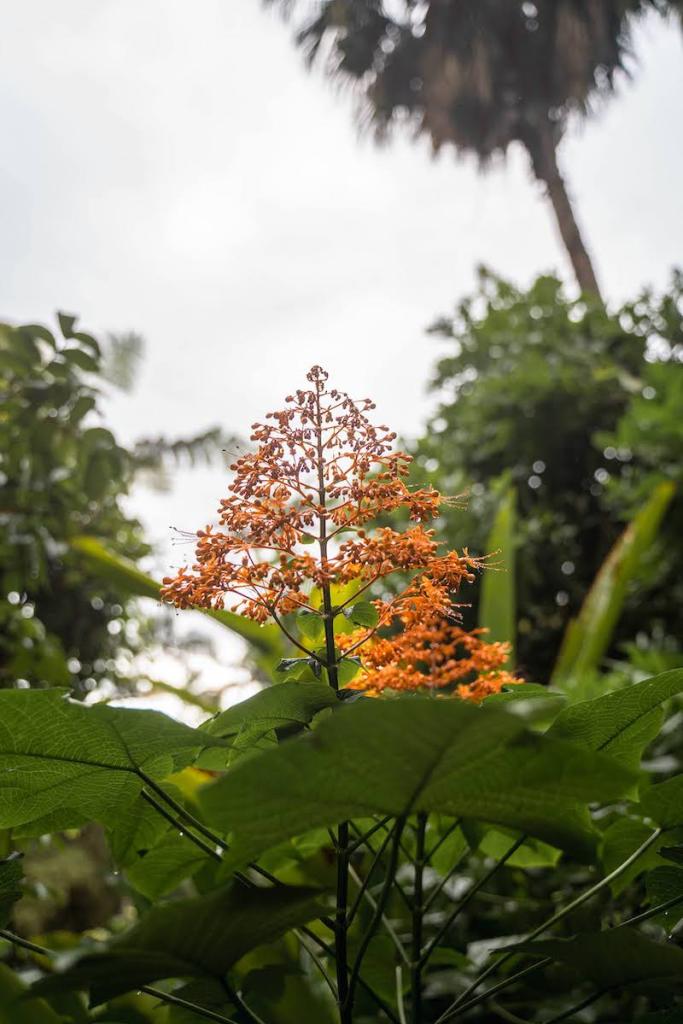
[581,411]
[63,474]
[481,76]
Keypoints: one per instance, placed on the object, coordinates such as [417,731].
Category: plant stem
[364,883]
[376,918]
[418,909]
[366,842]
[391,931]
[24,943]
[468,896]
[444,882]
[341,923]
[399,995]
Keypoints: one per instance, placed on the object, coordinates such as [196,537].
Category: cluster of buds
[299,521]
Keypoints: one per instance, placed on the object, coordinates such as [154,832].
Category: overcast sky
[170,167]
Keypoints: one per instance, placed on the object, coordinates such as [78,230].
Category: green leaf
[311,625]
[589,635]
[195,938]
[11,874]
[613,959]
[620,840]
[115,569]
[531,854]
[81,359]
[276,707]
[348,669]
[416,754]
[138,827]
[663,884]
[622,722]
[664,803]
[362,613]
[497,604]
[15,1008]
[75,763]
[165,866]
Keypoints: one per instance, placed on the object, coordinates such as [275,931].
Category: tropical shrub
[576,408]
[398,830]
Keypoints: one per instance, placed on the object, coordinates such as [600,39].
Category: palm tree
[480,75]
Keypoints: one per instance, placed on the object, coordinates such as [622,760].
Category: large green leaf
[11,874]
[589,635]
[613,959]
[195,938]
[415,754]
[622,722]
[69,764]
[497,605]
[265,639]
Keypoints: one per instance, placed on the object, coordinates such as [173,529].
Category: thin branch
[399,995]
[185,1004]
[365,836]
[292,639]
[236,998]
[379,910]
[320,966]
[25,944]
[183,828]
[469,895]
[363,883]
[385,920]
[182,811]
[444,882]
[366,842]
[447,834]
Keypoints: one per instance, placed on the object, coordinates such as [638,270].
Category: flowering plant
[301,523]
[302,856]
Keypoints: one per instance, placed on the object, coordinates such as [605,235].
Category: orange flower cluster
[428,650]
[295,519]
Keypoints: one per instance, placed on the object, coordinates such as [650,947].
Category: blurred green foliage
[63,475]
[579,408]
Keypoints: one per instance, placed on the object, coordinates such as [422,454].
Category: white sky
[170,167]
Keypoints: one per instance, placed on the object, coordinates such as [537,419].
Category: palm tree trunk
[544,162]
